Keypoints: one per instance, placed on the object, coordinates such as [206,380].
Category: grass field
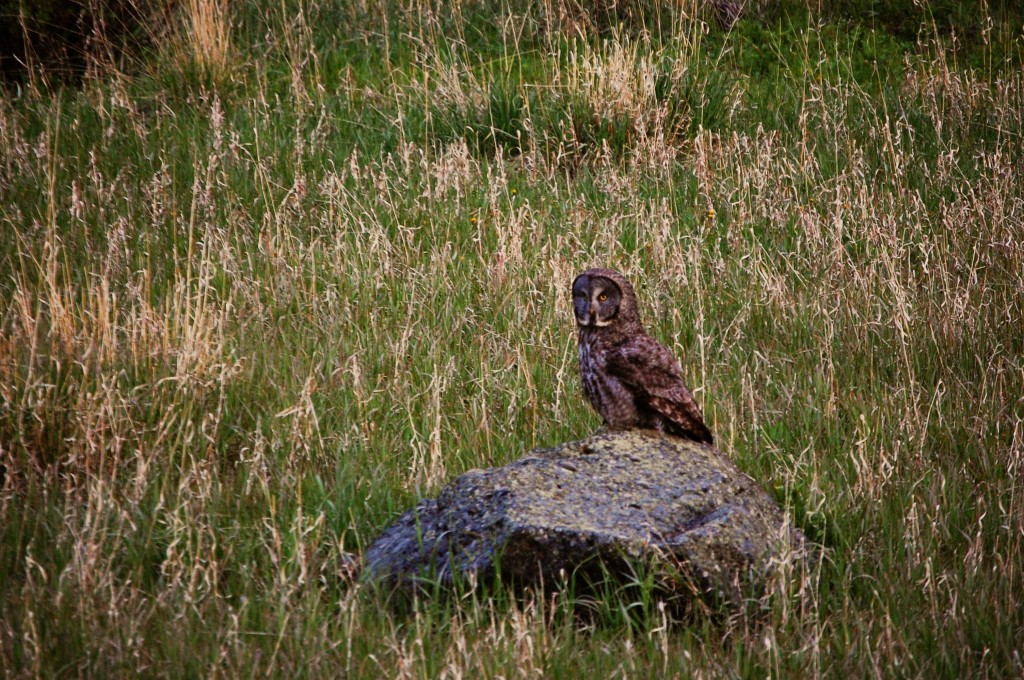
[265,286]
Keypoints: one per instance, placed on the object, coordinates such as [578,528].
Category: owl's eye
[602,297]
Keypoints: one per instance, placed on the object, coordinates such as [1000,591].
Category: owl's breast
[610,397]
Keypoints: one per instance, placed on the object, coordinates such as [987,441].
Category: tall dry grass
[238,333]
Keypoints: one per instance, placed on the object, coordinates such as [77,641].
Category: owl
[630,379]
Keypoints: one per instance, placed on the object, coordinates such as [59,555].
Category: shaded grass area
[247,317]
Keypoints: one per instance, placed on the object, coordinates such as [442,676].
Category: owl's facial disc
[595,301]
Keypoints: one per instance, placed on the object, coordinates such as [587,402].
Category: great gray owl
[630,379]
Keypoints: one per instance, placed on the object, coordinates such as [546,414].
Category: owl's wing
[652,371]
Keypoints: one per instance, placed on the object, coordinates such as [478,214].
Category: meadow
[270,281]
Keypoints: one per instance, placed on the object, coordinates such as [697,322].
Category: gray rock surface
[608,502]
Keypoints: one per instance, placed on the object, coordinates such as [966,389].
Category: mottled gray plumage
[630,379]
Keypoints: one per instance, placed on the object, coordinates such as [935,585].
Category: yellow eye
[602,297]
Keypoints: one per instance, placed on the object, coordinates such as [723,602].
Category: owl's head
[603,297]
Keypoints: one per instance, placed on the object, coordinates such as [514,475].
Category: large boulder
[603,505]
